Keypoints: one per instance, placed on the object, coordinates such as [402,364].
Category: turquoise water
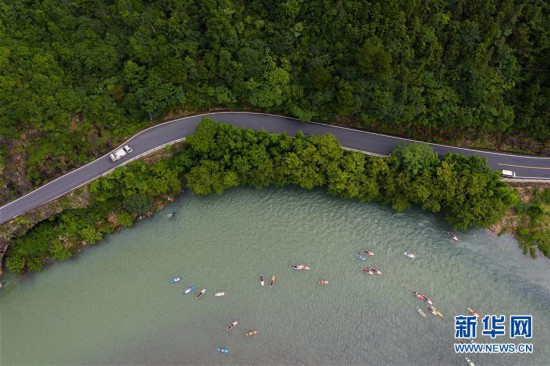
[113,303]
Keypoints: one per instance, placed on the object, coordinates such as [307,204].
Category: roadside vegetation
[530,221]
[464,189]
[219,156]
[117,201]
[78,78]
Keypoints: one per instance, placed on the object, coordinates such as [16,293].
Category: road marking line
[122,163]
[523,166]
[202,115]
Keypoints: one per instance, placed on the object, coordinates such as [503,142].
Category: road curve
[176,130]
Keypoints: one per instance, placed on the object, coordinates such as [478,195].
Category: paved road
[152,138]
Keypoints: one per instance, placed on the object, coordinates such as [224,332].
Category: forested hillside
[77,75]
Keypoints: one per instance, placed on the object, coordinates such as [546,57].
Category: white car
[120,153]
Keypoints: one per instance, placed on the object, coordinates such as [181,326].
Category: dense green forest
[77,75]
[220,156]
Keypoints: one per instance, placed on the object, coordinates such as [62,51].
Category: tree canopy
[78,76]
[465,189]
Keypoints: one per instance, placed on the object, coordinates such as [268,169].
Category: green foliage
[464,188]
[543,242]
[125,219]
[373,61]
[478,196]
[90,235]
[35,264]
[202,140]
[536,211]
[3,155]
[58,251]
[77,78]
[77,74]
[29,251]
[20,220]
[415,158]
[15,262]
[133,186]
[527,242]
[542,195]
[533,217]
[208,177]
[272,90]
[138,203]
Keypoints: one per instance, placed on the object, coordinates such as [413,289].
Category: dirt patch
[511,221]
[508,224]
[75,119]
[13,178]
[164,153]
[76,199]
[112,219]
[528,184]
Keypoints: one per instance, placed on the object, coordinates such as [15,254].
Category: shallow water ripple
[113,304]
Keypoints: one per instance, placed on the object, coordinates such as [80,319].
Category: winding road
[163,134]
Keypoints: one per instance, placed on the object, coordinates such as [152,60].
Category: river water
[114,304]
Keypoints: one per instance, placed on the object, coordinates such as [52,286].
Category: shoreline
[115,219]
[79,198]
[132,266]
[497,229]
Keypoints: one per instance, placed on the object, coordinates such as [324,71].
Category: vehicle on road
[120,153]
[508,173]
[165,133]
